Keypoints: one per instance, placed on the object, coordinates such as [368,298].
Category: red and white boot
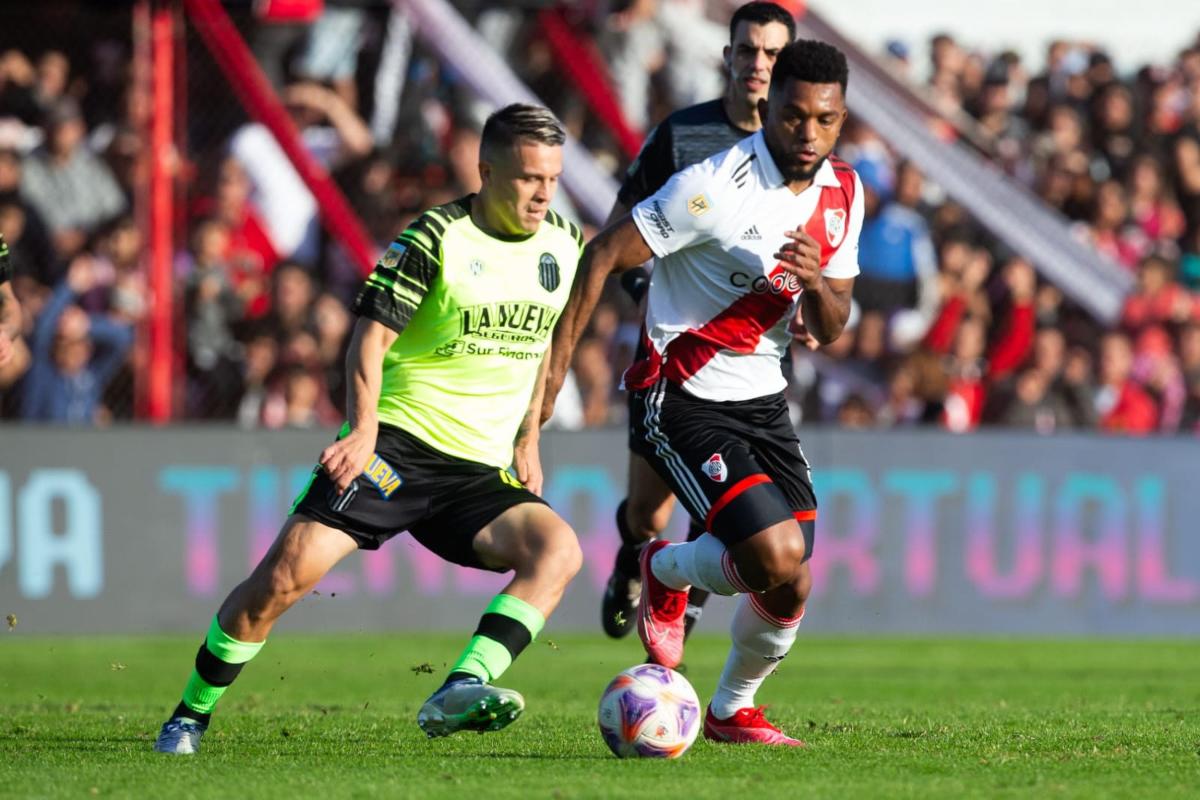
[746,726]
[661,611]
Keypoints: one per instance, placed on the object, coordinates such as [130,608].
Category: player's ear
[485,172]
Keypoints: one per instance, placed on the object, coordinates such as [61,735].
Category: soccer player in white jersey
[757,32]
[743,242]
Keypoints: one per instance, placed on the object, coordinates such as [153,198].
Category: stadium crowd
[951,328]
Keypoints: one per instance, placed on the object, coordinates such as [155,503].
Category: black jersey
[686,137]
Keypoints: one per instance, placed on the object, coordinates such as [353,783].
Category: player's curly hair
[810,61]
[762,13]
[520,121]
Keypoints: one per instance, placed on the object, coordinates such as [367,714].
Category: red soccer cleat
[746,726]
[661,610]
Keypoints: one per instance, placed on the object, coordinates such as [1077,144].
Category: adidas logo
[752,235]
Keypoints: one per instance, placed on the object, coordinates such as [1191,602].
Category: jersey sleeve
[844,263]
[681,214]
[5,261]
[402,276]
[653,167]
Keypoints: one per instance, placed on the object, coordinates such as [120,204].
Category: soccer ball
[649,711]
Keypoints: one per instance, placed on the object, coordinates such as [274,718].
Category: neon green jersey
[475,315]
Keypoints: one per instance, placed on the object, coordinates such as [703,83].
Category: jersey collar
[774,178]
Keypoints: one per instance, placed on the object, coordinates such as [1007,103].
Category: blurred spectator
[633,44]
[72,190]
[212,307]
[899,266]
[23,223]
[330,54]
[297,401]
[261,353]
[292,296]
[332,132]
[249,253]
[1157,299]
[1123,406]
[74,355]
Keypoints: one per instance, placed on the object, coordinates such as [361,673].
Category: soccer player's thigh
[488,520]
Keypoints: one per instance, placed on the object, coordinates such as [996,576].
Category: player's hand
[528,463]
[801,257]
[7,349]
[345,459]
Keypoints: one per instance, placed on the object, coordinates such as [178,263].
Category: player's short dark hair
[520,122]
[761,13]
[812,62]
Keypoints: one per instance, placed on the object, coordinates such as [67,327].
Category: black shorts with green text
[736,465]
[407,485]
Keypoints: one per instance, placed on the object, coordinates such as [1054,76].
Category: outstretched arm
[345,459]
[617,248]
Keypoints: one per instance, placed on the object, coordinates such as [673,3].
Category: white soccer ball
[649,711]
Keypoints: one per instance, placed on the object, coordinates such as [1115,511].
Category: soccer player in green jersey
[10,310]
[445,372]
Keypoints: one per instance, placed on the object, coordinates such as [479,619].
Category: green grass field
[333,716]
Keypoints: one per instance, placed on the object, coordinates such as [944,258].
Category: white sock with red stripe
[704,563]
[760,641]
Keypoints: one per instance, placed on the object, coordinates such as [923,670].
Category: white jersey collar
[771,174]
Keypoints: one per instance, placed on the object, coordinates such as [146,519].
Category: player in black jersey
[10,311]
[757,32]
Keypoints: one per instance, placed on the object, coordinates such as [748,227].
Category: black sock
[631,546]
[182,710]
[453,677]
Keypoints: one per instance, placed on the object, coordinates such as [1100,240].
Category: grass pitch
[334,716]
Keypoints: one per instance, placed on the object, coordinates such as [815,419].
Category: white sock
[704,563]
[760,641]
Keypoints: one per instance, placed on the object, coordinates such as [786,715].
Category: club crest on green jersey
[549,274]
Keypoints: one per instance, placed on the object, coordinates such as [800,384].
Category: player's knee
[780,557]
[556,553]
[282,587]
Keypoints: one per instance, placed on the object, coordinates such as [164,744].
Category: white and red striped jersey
[719,303]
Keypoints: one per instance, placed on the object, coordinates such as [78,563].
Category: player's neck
[485,218]
[742,113]
[796,185]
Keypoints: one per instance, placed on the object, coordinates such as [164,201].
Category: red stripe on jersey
[738,328]
[643,373]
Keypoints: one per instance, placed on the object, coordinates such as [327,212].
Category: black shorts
[408,486]
[735,465]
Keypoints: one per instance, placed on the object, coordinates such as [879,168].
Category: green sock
[218,662]
[506,628]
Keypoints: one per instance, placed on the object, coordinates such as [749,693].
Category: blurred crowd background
[951,329]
